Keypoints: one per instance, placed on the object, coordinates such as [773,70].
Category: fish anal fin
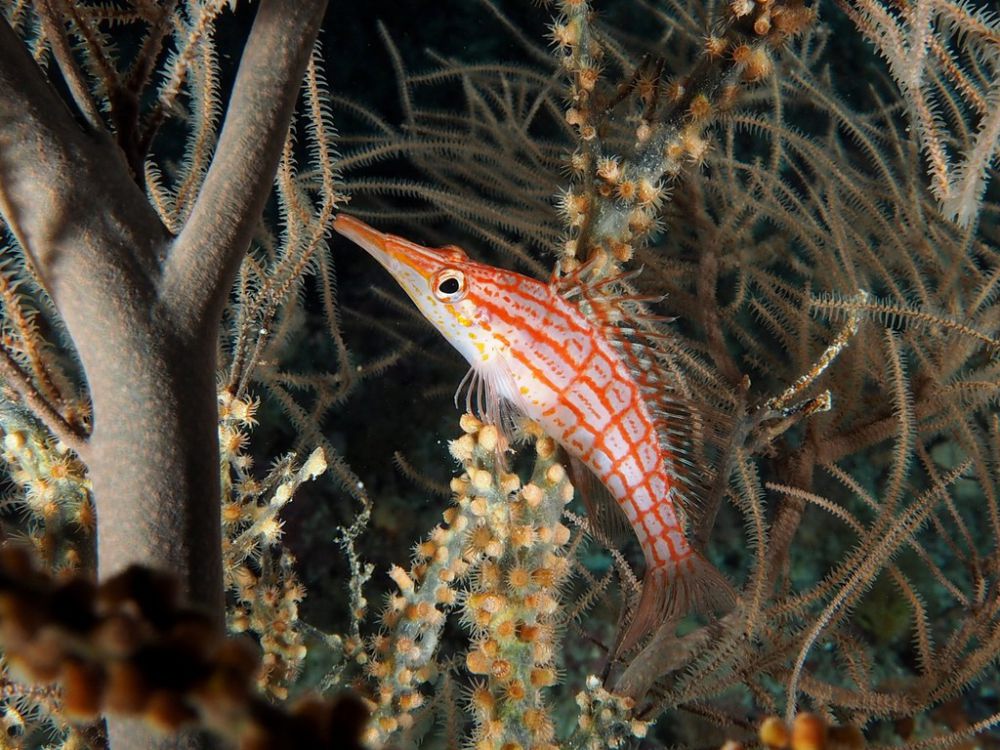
[673,591]
[606,518]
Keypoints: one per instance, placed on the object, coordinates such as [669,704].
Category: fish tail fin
[673,590]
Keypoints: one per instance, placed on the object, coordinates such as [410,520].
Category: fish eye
[449,286]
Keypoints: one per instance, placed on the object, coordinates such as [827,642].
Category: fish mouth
[392,252]
[360,233]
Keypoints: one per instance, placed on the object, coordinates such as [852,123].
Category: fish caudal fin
[671,591]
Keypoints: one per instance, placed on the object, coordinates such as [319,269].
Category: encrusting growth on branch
[614,205]
[514,603]
[129,648]
[606,720]
[257,569]
[500,559]
[55,492]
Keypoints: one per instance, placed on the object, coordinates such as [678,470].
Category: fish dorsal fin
[623,317]
[681,434]
[607,294]
[609,301]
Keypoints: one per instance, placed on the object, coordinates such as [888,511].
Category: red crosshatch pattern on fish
[561,364]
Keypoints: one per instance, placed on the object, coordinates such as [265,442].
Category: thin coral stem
[43,409]
[55,30]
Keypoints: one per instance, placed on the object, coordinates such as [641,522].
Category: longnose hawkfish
[558,352]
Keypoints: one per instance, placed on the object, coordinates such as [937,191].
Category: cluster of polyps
[606,720]
[258,571]
[618,189]
[54,490]
[403,655]
[513,605]
[500,556]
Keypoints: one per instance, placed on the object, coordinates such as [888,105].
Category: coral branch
[206,255]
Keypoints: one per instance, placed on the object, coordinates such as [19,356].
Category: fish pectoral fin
[485,394]
[672,591]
